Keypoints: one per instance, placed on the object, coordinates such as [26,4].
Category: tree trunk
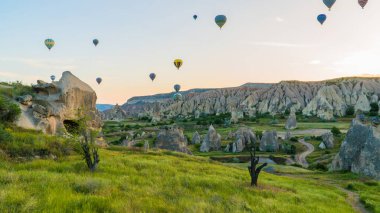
[253,171]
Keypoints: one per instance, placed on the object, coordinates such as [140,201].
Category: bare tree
[254,171]
[89,149]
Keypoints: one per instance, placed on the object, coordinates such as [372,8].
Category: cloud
[278,44]
[315,62]
[279,19]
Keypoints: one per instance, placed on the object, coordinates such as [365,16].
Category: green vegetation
[374,111]
[156,182]
[9,111]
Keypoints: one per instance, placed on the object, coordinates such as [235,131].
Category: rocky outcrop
[269,142]
[360,150]
[58,104]
[114,114]
[196,138]
[328,140]
[172,138]
[291,122]
[212,141]
[325,99]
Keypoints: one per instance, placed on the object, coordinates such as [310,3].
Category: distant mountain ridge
[104,107]
[325,99]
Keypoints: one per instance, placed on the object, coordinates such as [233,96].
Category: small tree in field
[253,170]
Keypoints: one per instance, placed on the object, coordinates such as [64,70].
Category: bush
[374,111]
[350,111]
[335,131]
[294,139]
[9,111]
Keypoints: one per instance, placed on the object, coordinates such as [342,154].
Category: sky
[262,41]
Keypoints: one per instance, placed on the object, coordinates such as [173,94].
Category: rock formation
[172,138]
[360,150]
[196,138]
[58,104]
[212,141]
[291,122]
[114,114]
[328,140]
[243,138]
[324,99]
[269,142]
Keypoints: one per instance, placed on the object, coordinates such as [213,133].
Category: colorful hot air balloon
[220,20]
[329,3]
[52,77]
[99,80]
[152,76]
[195,17]
[96,42]
[177,87]
[177,97]
[363,3]
[322,18]
[49,43]
[178,63]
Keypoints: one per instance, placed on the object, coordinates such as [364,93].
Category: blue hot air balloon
[321,18]
[195,17]
[220,20]
[152,76]
[329,3]
[177,87]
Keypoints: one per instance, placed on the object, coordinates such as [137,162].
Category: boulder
[269,142]
[212,141]
[291,122]
[196,138]
[328,140]
[172,138]
[359,152]
[60,103]
[322,145]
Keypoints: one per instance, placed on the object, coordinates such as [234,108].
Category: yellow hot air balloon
[178,63]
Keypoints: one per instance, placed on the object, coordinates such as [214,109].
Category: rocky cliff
[58,104]
[325,99]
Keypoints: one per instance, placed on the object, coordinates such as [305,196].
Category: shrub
[374,109]
[335,131]
[350,111]
[9,111]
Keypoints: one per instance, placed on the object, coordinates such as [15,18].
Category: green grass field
[156,182]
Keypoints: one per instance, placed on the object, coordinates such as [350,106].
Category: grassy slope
[156,182]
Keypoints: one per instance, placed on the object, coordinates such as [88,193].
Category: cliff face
[325,99]
[58,103]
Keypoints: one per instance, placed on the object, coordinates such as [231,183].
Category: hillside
[156,182]
[325,99]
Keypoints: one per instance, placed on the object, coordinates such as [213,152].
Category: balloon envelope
[195,17]
[152,76]
[322,18]
[52,77]
[178,63]
[220,20]
[363,3]
[177,87]
[49,43]
[329,3]
[99,80]
[96,42]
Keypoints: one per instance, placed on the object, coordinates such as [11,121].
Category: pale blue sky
[263,41]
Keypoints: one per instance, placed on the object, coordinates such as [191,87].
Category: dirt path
[301,158]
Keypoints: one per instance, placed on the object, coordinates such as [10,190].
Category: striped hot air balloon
[49,43]
[178,63]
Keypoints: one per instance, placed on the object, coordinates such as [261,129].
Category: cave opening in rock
[71,126]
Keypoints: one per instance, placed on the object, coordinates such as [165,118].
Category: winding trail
[301,158]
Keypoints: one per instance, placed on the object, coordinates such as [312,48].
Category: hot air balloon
[49,43]
[178,63]
[96,42]
[177,87]
[152,76]
[52,77]
[220,20]
[363,3]
[329,3]
[99,80]
[322,18]
[177,97]
[195,17]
